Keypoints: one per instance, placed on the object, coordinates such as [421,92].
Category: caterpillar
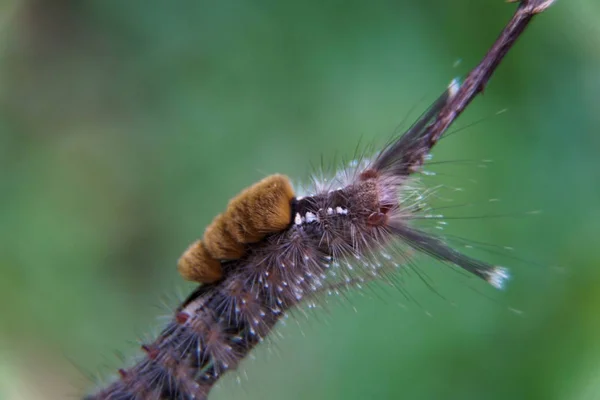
[271,249]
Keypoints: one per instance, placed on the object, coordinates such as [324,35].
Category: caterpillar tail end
[498,277]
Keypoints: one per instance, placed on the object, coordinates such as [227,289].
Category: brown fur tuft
[219,241]
[259,210]
[196,264]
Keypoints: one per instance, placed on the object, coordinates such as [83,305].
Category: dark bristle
[404,156]
[436,248]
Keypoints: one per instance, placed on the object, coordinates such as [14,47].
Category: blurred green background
[126,125]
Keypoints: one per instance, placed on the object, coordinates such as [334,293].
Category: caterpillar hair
[269,250]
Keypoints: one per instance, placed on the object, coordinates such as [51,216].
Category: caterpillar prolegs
[271,249]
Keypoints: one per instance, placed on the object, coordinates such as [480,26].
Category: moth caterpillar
[345,229]
[270,249]
[354,221]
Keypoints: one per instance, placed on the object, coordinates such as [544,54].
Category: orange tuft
[263,208]
[197,265]
[220,243]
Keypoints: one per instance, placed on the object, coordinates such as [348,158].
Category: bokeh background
[125,126]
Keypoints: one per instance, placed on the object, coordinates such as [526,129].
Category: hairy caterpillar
[271,250]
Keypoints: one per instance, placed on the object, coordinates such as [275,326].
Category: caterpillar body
[270,250]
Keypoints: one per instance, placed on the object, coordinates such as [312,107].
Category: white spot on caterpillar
[340,210]
[298,219]
[330,211]
[310,217]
